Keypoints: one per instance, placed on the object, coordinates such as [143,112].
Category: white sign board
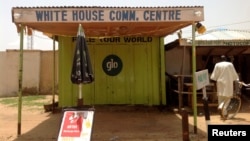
[107,14]
[76,125]
[201,78]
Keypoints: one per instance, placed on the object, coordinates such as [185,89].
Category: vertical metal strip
[20,80]
[54,75]
[193,76]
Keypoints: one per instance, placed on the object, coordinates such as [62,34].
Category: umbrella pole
[80,99]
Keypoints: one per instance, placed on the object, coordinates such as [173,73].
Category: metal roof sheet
[217,42]
[37,7]
[224,34]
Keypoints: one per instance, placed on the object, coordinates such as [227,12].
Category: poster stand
[76,124]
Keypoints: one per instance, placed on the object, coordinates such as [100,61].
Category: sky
[226,14]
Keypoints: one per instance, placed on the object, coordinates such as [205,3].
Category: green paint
[139,81]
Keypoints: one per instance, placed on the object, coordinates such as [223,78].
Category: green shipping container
[127,70]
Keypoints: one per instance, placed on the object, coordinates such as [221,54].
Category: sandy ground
[113,123]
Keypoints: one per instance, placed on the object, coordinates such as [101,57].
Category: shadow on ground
[120,123]
[136,123]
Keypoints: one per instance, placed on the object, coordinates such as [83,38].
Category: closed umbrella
[82,72]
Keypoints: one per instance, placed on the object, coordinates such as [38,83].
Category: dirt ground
[113,123]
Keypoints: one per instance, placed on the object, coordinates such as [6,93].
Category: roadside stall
[209,48]
[125,43]
[126,47]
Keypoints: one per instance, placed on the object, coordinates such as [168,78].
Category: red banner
[76,125]
[72,125]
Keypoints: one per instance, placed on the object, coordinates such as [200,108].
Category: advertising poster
[76,126]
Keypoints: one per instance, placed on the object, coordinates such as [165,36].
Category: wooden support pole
[185,127]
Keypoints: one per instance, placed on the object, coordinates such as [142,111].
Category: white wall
[31,70]
[9,72]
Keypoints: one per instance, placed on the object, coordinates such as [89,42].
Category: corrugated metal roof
[217,42]
[37,7]
[224,34]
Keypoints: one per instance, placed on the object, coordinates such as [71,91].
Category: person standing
[224,74]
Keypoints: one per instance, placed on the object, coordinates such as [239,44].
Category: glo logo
[112,65]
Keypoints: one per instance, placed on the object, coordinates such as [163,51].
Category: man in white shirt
[224,74]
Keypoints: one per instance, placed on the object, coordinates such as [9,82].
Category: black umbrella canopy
[81,69]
